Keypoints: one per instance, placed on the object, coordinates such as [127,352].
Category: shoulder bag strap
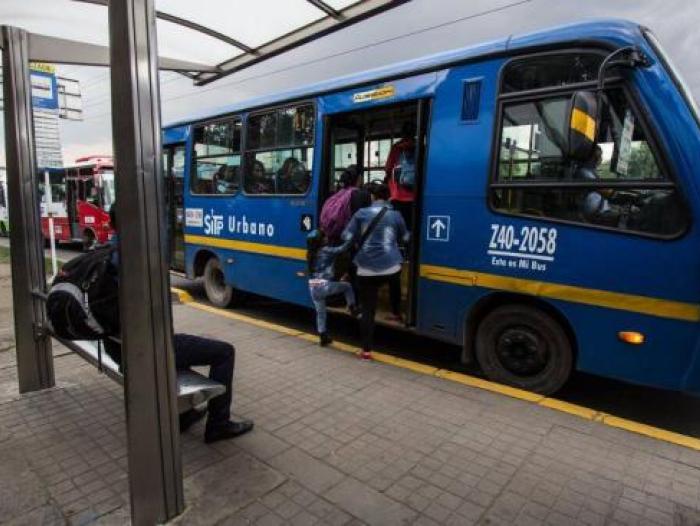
[372,225]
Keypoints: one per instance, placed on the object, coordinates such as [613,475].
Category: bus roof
[614,31]
[98,163]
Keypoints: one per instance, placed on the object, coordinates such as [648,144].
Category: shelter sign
[44,87]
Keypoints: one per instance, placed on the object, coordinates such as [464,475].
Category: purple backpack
[336,213]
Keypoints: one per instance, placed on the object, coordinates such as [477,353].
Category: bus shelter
[155,472]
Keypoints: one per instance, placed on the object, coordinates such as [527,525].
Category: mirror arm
[634,57]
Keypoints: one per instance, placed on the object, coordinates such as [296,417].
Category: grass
[5,258]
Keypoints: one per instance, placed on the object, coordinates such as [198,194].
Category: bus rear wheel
[525,347]
[218,292]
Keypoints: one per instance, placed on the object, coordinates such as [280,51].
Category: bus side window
[216,158]
[621,186]
[279,151]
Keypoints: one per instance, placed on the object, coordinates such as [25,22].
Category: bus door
[366,138]
[174,172]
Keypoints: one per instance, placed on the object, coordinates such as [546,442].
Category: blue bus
[554,201]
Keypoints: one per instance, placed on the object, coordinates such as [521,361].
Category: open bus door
[365,138]
[174,173]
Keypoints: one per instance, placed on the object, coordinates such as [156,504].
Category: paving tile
[48,515]
[307,470]
[21,490]
[369,505]
[211,500]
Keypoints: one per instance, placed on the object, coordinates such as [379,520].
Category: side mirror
[582,116]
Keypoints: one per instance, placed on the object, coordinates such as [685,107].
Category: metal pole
[34,359]
[49,215]
[155,471]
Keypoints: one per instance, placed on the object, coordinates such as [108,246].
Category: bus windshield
[108,195]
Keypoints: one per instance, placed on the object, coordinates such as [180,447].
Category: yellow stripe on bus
[599,298]
[247,246]
[583,123]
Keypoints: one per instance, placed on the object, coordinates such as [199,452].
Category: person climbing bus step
[379,230]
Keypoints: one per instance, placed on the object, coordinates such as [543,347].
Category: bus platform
[336,441]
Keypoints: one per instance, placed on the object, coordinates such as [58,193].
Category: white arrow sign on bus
[438,228]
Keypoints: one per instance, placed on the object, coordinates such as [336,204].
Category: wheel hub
[522,351]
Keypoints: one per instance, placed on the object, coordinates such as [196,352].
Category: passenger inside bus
[292,177]
[257,182]
[400,170]
[226,179]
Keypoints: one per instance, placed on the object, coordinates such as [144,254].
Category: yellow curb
[185,297]
[345,347]
[652,432]
[479,383]
[239,317]
[404,364]
[465,379]
[572,409]
[308,337]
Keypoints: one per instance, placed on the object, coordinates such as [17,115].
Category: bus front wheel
[218,292]
[523,346]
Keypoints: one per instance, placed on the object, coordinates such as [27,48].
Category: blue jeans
[320,289]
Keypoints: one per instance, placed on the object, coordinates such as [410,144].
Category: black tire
[218,292]
[89,240]
[523,346]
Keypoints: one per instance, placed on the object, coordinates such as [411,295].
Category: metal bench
[193,389]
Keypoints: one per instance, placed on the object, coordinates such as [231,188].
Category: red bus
[81,197]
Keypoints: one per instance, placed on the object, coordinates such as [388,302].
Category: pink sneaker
[365,355]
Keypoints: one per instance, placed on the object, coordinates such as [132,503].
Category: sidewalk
[337,441]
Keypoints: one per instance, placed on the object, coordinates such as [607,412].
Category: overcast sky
[415,29]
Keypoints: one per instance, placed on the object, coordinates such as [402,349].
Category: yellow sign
[384,92]
[43,66]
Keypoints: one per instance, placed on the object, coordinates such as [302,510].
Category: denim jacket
[381,249]
[325,260]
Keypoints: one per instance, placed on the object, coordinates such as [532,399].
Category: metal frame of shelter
[155,471]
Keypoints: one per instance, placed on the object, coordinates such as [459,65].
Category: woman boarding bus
[507,259]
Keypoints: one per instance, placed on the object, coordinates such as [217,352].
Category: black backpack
[83,299]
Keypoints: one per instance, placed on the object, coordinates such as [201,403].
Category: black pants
[368,290]
[405,208]
[191,351]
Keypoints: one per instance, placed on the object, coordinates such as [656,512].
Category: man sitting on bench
[193,351]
